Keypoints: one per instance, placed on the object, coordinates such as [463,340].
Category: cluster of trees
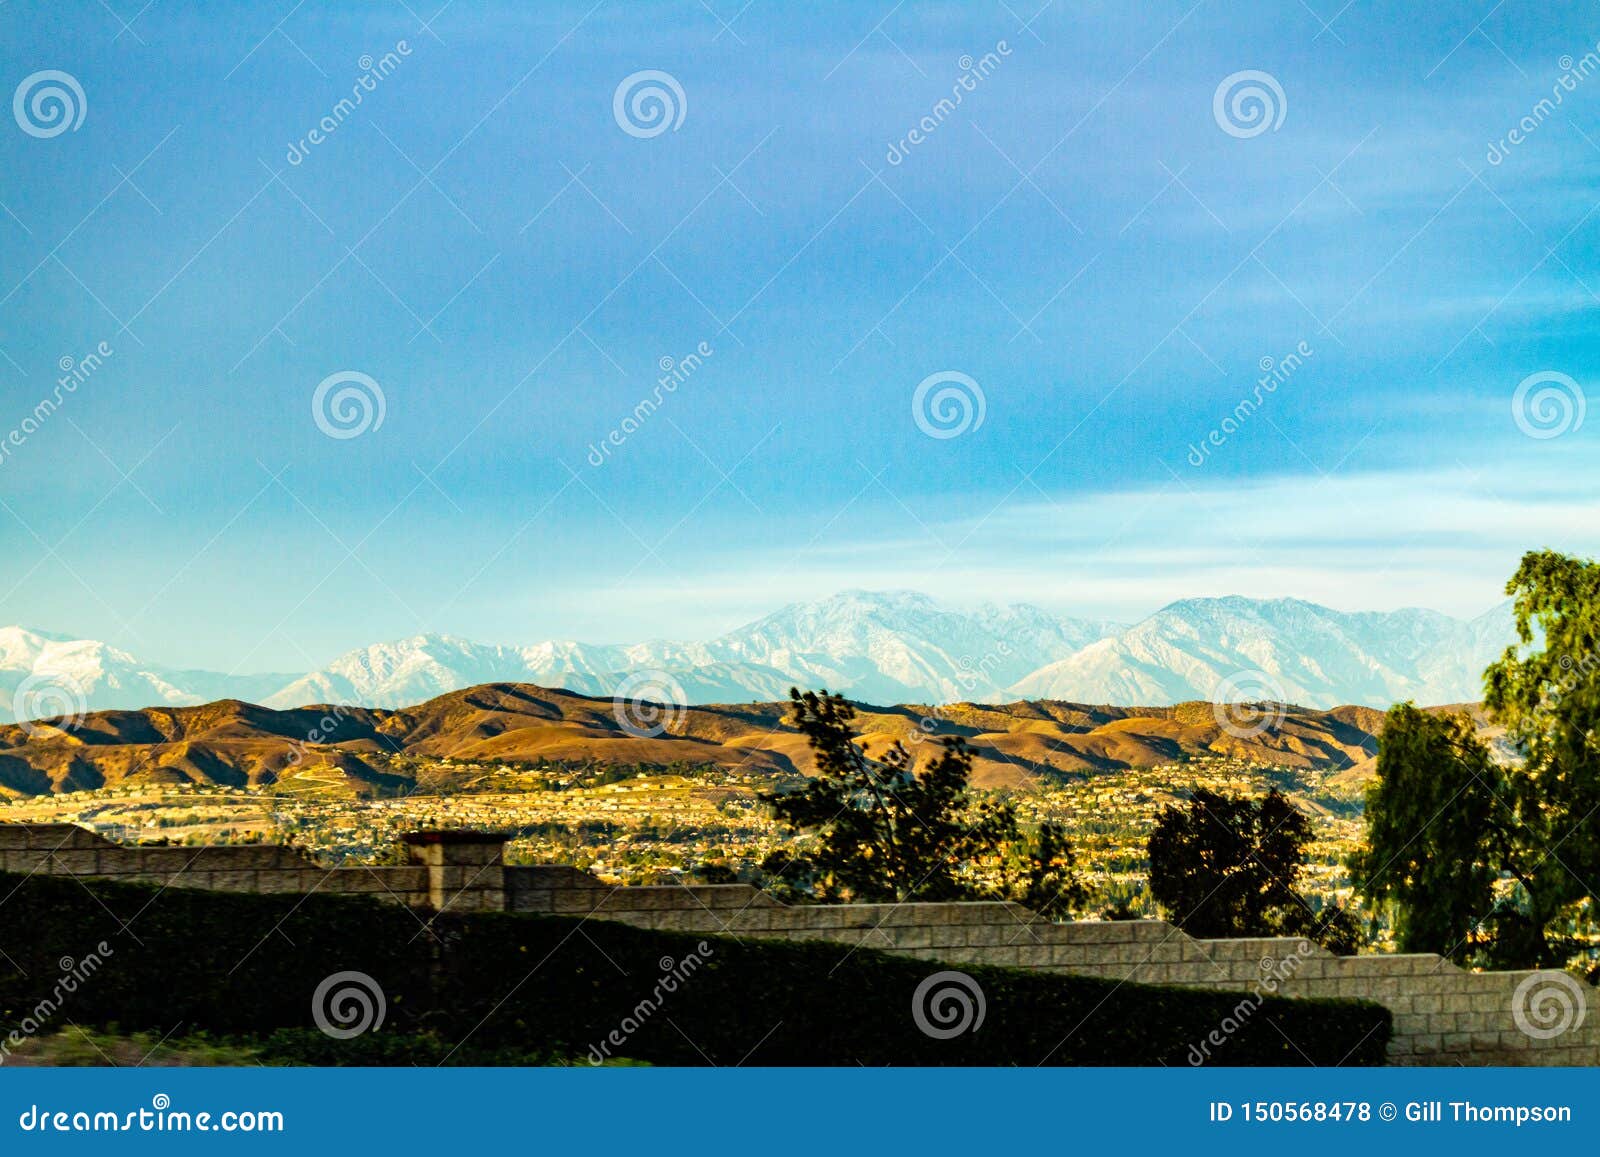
[887,830]
[1481,859]
[1488,861]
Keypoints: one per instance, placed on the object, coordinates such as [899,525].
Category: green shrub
[214,961]
[504,988]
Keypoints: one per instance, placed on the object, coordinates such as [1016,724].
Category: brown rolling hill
[372,752]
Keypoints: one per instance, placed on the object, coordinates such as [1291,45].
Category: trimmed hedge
[522,985]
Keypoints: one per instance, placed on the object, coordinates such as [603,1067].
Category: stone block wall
[67,850]
[465,870]
[1442,1014]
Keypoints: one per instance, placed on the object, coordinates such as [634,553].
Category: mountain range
[878,647]
[488,735]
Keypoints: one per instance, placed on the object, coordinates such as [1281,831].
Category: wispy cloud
[1446,539]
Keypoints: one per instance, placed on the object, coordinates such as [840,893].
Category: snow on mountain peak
[896,646]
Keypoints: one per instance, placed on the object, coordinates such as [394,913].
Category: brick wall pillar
[466,870]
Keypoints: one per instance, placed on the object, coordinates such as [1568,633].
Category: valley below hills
[575,779]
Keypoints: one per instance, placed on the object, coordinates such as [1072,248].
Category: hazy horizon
[940,604]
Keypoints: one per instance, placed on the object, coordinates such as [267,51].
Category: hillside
[373,751]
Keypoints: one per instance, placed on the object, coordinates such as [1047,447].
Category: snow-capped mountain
[888,647]
[416,669]
[881,647]
[408,671]
[53,674]
[1280,649]
[43,674]
[902,646]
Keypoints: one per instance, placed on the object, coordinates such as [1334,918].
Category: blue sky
[1082,237]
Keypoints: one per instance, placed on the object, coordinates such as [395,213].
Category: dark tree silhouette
[1226,866]
[888,830]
